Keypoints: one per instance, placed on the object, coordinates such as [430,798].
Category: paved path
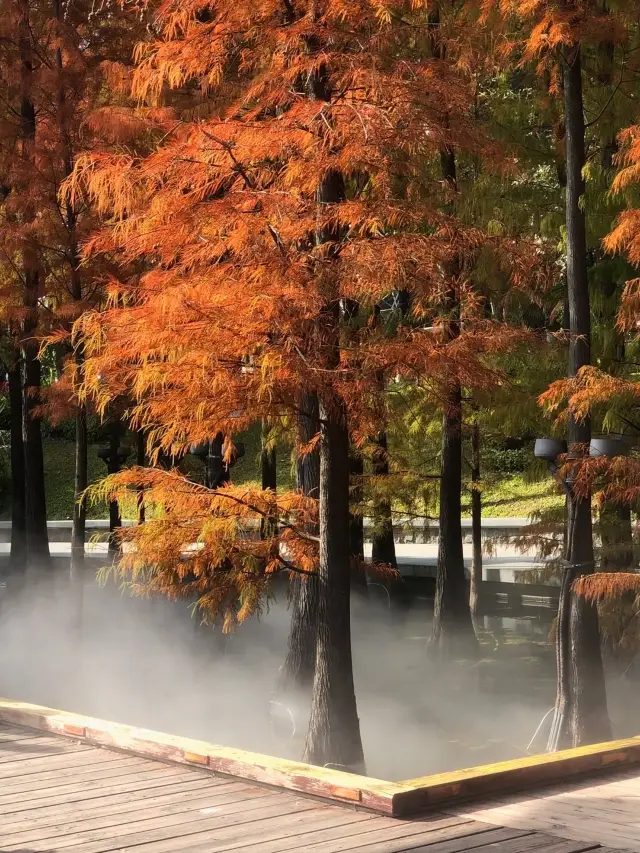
[57,795]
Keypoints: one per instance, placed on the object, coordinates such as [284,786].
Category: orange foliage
[240,307]
[606,585]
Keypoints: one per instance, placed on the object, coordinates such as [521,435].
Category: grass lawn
[509,495]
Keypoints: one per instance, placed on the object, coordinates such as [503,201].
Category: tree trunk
[115,519]
[356,526]
[78,530]
[141,461]
[452,632]
[18,558]
[216,472]
[38,556]
[298,669]
[268,471]
[581,714]
[36,508]
[476,522]
[334,729]
[383,548]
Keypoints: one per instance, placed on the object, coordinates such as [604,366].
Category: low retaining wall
[405,531]
[396,799]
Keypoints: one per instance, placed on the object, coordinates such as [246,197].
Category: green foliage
[501,460]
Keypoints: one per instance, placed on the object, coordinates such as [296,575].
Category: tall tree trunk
[298,669]
[141,461]
[216,472]
[452,623]
[383,547]
[18,558]
[356,526]
[115,519]
[581,714]
[476,521]
[268,473]
[35,501]
[453,631]
[334,729]
[79,528]
[78,533]
[79,524]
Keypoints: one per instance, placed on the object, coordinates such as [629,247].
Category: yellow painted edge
[517,774]
[611,752]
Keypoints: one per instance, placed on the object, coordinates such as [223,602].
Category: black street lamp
[550,449]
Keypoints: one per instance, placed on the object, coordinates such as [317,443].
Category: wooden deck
[606,808]
[61,795]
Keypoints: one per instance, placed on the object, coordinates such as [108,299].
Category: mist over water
[146,662]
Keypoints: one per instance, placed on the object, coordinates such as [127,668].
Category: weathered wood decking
[606,808]
[60,795]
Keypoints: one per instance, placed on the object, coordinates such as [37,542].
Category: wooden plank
[611,850]
[410,833]
[581,828]
[52,779]
[18,735]
[250,812]
[256,839]
[260,828]
[568,810]
[32,749]
[288,835]
[568,805]
[461,844]
[66,834]
[141,785]
[11,769]
[73,784]
[536,842]
[10,733]
[95,811]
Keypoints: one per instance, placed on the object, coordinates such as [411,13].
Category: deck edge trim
[395,799]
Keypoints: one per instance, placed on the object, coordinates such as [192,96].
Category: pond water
[146,663]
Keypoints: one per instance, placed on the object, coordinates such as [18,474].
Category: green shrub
[498,459]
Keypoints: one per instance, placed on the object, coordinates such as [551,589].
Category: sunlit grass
[508,495]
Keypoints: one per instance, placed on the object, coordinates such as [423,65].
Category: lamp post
[576,665]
